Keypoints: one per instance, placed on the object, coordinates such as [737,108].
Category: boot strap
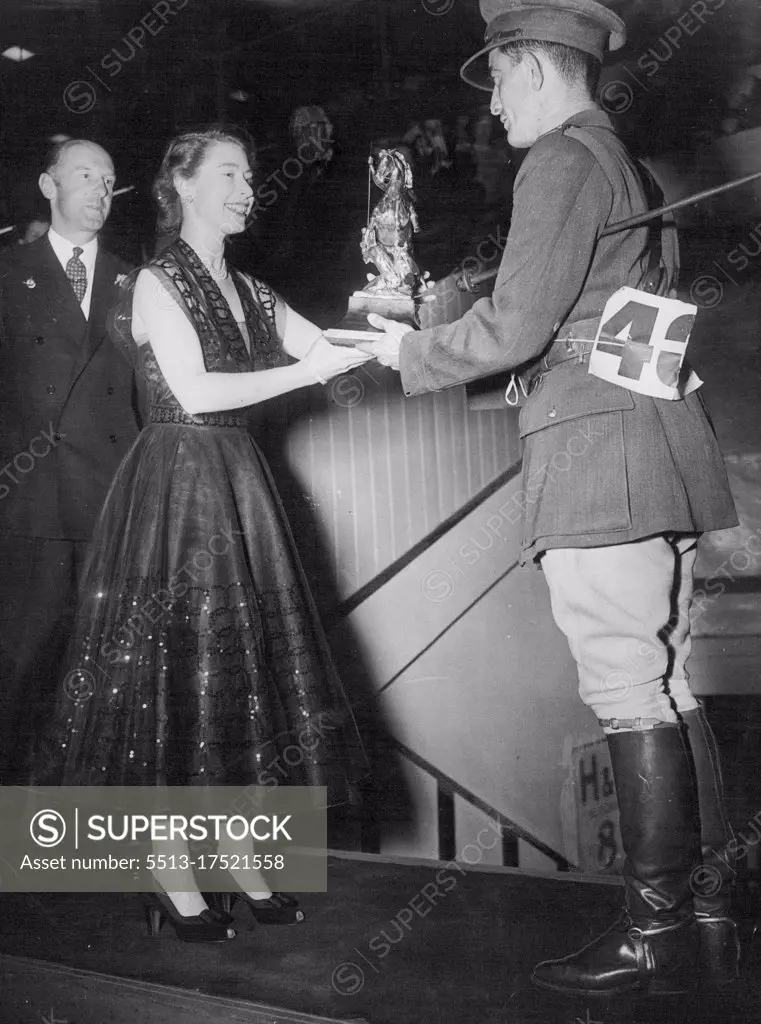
[647,965]
[715,918]
[632,724]
[635,933]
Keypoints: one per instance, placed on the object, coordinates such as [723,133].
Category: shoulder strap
[655,279]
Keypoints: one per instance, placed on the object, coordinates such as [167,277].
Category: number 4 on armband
[641,344]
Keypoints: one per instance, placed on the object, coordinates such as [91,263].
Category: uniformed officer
[68,413]
[616,530]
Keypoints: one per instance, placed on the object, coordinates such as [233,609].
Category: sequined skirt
[198,656]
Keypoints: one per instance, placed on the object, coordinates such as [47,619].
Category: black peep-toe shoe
[208,926]
[279,908]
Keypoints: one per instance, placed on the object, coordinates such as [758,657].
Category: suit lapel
[100,301]
[95,328]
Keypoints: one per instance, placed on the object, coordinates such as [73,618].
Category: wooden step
[74,996]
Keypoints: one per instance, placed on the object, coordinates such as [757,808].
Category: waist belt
[573,342]
[169,414]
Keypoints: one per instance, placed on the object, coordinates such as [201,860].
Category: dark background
[373,65]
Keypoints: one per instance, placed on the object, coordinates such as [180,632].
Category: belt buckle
[574,347]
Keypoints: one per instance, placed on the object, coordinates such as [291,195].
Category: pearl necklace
[220,273]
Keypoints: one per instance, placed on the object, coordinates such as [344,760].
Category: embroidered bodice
[224,350]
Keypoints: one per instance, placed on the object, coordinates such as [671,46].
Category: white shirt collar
[64,249]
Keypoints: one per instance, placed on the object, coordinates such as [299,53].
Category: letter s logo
[47,828]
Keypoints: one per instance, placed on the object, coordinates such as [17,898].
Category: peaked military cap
[584,24]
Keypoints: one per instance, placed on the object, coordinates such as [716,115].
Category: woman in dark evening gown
[198,657]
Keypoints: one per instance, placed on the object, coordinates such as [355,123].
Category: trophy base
[354,326]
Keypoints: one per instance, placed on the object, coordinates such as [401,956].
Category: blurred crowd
[468,151]
[463,174]
[316,195]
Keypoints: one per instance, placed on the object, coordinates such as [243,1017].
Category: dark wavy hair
[184,155]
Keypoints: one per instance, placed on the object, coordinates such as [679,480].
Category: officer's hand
[385,349]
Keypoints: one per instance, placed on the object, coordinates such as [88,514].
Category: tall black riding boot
[712,881]
[653,946]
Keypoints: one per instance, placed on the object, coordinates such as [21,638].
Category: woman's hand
[324,361]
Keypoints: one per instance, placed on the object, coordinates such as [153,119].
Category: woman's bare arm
[296,333]
[158,316]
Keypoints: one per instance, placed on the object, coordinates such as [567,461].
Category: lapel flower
[30,282]
[119,280]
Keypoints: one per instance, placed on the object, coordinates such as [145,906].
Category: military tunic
[602,465]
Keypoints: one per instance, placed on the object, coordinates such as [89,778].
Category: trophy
[386,243]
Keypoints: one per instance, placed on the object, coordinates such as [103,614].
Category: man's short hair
[575,67]
[58,151]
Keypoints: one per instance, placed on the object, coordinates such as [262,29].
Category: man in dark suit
[617,483]
[68,414]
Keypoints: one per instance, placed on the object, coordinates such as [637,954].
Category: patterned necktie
[77,273]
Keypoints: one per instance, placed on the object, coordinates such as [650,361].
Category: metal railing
[447,787]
